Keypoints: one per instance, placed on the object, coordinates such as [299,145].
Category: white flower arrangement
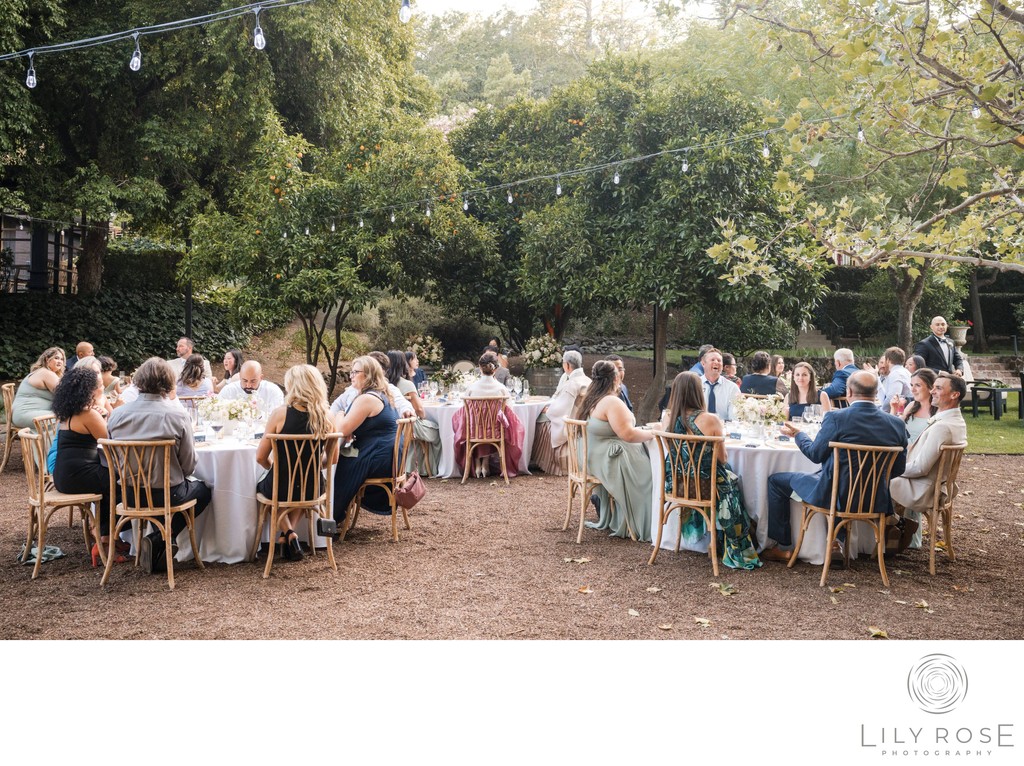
[766,411]
[542,351]
[213,408]
[427,348]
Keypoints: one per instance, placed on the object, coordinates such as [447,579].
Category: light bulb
[860,134]
[465,203]
[360,223]
[136,63]
[428,211]
[615,179]
[284,236]
[30,79]
[259,42]
[766,151]
[558,190]
[307,231]
[975,112]
[392,217]
[21,226]
[510,194]
[332,226]
[405,13]
[686,165]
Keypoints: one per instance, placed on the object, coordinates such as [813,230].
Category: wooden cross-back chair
[12,432]
[943,495]
[861,469]
[581,481]
[840,402]
[484,426]
[298,463]
[46,427]
[403,443]
[133,465]
[684,490]
[43,500]
[191,403]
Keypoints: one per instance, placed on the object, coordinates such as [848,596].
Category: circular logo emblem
[937,683]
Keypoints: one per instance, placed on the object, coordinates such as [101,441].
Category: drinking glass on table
[526,388]
[432,385]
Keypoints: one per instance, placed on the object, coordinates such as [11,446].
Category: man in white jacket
[913,490]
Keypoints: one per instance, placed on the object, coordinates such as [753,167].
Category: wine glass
[517,387]
[526,388]
[217,426]
[433,389]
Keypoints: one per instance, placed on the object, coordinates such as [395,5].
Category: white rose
[536,354]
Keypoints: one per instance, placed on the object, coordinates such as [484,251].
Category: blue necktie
[712,404]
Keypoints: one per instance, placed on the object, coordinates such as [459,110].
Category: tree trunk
[980,343]
[909,290]
[648,410]
[90,262]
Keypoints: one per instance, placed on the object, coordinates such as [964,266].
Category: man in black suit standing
[860,423]
[939,352]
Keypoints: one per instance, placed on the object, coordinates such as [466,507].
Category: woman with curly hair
[81,409]
[35,394]
[616,456]
[305,411]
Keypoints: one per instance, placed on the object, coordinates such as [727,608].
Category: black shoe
[596,502]
[326,527]
[159,555]
[292,550]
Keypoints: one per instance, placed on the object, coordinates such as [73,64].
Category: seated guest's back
[759,381]
[193,381]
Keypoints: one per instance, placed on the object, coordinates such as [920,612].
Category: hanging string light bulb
[30,79]
[465,203]
[392,216]
[557,191]
[405,13]
[615,178]
[428,210]
[332,227]
[307,230]
[686,161]
[285,235]
[765,151]
[21,225]
[360,222]
[976,112]
[136,62]
[259,42]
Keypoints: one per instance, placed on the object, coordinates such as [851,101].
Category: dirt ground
[486,561]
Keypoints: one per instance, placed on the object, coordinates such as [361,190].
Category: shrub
[398,319]
[740,332]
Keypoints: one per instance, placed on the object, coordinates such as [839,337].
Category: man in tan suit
[913,490]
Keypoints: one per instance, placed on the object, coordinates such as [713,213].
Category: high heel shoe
[95,555]
[293,551]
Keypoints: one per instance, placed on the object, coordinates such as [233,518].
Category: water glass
[526,388]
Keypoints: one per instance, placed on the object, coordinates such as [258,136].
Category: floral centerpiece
[761,411]
[427,348]
[229,410]
[542,351]
[448,377]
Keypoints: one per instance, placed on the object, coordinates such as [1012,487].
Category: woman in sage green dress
[687,414]
[617,457]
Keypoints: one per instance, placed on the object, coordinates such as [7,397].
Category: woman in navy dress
[370,424]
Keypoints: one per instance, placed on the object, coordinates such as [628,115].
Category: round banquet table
[225,530]
[442,414]
[754,463]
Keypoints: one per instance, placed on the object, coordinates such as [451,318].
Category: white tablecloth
[754,465]
[225,530]
[442,414]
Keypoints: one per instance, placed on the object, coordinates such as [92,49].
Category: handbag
[410,491]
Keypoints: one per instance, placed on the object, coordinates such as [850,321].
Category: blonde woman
[35,394]
[370,426]
[305,411]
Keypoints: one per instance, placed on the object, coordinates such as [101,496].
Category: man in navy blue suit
[843,359]
[860,423]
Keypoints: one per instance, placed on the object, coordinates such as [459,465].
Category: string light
[136,62]
[765,151]
[332,226]
[615,179]
[30,79]
[392,216]
[360,223]
[21,225]
[428,210]
[976,112]
[686,161]
[465,203]
[259,42]
[405,13]
[558,190]
[307,230]
[285,235]
[860,134]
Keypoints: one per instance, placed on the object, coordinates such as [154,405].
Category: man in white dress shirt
[249,382]
[913,489]
[566,396]
[894,379]
[184,349]
[720,393]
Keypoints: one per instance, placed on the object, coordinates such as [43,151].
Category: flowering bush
[542,351]
[427,349]
[770,410]
[213,408]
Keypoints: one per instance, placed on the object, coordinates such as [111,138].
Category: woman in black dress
[305,411]
[80,406]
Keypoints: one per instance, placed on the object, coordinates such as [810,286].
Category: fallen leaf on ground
[703,622]
[585,589]
[981,551]
[877,632]
[834,599]
[849,585]
[904,602]
[724,588]
[633,613]
[583,560]
[654,589]
[666,626]
[835,589]
[922,604]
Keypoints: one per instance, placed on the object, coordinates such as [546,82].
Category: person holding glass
[687,414]
[617,457]
[804,392]
[916,413]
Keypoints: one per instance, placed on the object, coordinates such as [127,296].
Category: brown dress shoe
[775,554]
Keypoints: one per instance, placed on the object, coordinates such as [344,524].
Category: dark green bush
[126,325]
[740,331]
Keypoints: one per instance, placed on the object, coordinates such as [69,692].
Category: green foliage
[401,319]
[128,326]
[878,307]
[139,263]
[740,331]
